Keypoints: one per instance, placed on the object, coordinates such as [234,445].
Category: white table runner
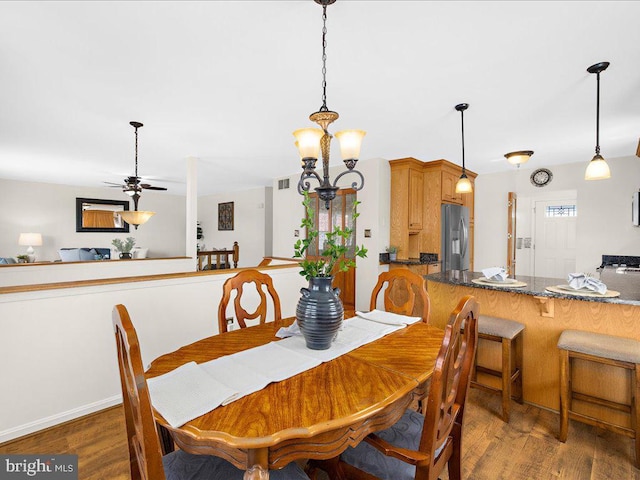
[192,390]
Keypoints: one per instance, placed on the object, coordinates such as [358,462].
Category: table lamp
[30,240]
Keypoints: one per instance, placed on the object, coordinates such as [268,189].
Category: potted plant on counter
[124,247]
[393,252]
[320,312]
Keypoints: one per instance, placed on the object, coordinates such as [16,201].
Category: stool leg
[506,379]
[518,345]
[635,409]
[565,394]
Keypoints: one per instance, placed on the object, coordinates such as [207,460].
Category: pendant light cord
[462,120]
[136,153]
[598,115]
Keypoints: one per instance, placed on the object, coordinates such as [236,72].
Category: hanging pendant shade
[464,184]
[597,168]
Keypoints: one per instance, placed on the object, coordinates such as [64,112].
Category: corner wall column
[191,248]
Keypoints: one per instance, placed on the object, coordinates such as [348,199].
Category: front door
[555,238]
[339,214]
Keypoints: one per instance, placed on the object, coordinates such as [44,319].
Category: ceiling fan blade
[146,186]
[111,184]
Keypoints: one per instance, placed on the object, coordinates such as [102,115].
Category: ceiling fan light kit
[132,187]
[519,157]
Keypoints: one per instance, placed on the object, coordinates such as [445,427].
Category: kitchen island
[546,315]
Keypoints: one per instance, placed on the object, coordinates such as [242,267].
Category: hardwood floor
[524,449]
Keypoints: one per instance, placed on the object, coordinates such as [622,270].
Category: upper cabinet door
[449,194]
[416,189]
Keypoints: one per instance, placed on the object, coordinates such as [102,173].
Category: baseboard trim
[53,420]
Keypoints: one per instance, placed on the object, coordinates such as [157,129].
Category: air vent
[283,184]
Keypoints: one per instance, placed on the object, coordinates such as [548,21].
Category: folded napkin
[291,330]
[388,317]
[495,273]
[187,393]
[580,280]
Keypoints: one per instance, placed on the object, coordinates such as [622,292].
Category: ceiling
[228,81]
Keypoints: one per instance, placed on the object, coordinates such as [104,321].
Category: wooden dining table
[315,414]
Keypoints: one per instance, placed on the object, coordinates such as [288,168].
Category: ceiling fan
[132,185]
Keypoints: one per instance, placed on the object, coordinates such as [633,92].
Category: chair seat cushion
[405,434]
[180,465]
[600,345]
[499,327]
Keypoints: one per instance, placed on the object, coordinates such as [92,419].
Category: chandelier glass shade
[315,142]
[597,168]
[136,217]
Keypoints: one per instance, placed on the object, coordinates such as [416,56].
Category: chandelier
[312,141]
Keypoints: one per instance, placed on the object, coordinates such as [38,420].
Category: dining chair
[237,284]
[405,293]
[417,446]
[146,461]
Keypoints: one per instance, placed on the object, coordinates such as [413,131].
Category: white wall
[250,207]
[374,215]
[51,210]
[58,347]
[604,210]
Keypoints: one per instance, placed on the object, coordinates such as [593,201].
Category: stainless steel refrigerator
[455,237]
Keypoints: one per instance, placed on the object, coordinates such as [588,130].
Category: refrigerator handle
[463,230]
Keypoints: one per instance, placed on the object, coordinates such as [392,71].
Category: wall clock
[541,177]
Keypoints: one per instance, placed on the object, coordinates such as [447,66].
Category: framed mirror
[96,215]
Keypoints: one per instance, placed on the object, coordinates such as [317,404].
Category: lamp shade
[350,143]
[518,158]
[136,217]
[464,185]
[597,169]
[308,141]
[30,239]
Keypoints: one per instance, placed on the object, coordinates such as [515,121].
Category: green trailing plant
[332,257]
[124,247]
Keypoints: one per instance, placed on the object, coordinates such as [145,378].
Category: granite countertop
[627,285]
[413,261]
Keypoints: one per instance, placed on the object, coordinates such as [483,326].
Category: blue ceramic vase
[319,313]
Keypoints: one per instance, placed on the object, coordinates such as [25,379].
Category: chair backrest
[145,457]
[405,293]
[450,383]
[237,283]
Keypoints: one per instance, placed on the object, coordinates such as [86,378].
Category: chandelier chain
[324,59]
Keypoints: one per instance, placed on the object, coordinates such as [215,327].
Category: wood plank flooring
[524,449]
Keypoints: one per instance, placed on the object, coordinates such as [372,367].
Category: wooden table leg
[257,464]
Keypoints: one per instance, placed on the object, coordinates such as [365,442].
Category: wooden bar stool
[607,350]
[509,334]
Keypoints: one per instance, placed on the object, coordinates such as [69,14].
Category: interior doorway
[339,214]
[554,247]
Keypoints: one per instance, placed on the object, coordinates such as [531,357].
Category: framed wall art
[225,216]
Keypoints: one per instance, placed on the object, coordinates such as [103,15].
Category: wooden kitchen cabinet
[415,224]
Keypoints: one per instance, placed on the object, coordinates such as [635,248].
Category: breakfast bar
[546,315]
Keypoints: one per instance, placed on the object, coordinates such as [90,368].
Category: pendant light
[464,184]
[597,168]
[313,141]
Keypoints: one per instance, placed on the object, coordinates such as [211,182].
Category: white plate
[569,288]
[498,282]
